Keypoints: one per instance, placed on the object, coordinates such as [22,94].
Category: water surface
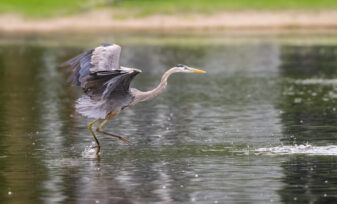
[259,127]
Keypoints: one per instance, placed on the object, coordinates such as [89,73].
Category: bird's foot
[124,140]
[97,149]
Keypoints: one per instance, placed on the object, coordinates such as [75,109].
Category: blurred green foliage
[209,6]
[42,8]
[47,8]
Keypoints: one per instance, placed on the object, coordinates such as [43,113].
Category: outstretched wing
[98,72]
[108,84]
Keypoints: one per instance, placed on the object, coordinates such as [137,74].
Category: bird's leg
[98,147]
[109,116]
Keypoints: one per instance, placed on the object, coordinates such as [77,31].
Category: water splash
[300,149]
[90,152]
[316,81]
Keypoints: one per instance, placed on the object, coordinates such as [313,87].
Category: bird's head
[184,68]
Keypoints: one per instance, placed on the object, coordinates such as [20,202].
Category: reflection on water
[193,143]
[309,180]
[309,108]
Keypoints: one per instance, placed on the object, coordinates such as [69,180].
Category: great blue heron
[106,85]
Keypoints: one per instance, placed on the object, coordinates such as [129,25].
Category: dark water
[259,127]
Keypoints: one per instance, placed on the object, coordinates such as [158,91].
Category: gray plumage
[106,85]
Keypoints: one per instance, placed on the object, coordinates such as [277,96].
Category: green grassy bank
[52,8]
[209,6]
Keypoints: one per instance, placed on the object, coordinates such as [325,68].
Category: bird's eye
[180,65]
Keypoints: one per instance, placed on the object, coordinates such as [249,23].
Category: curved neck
[147,95]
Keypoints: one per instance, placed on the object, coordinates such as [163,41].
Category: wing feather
[105,58]
[98,72]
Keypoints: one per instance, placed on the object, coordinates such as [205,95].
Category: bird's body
[106,84]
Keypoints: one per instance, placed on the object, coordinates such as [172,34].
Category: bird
[106,85]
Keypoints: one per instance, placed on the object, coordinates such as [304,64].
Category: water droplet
[97,201]
[196,176]
[301,121]
[164,187]
[325,195]
[295,198]
[181,186]
[9,193]
[297,100]
[326,181]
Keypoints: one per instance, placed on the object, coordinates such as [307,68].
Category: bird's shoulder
[130,70]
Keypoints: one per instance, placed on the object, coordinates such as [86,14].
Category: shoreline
[102,20]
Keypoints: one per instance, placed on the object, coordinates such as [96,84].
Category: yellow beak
[198,71]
